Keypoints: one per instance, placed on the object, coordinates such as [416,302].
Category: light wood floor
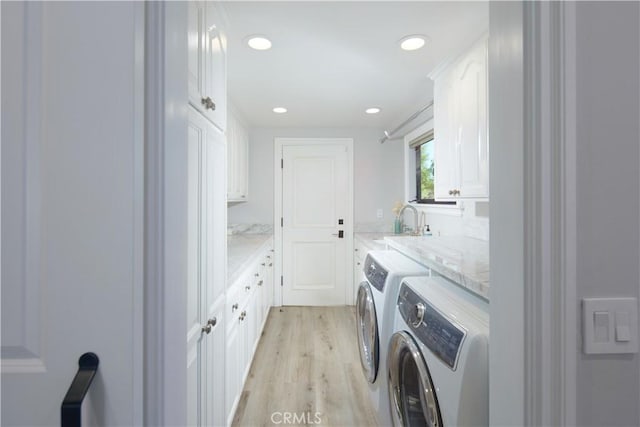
[307,362]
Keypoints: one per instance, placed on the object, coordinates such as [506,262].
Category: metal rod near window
[390,135]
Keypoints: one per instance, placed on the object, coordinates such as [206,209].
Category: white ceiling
[332,60]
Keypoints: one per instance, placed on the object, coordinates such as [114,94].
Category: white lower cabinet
[360,252]
[247,304]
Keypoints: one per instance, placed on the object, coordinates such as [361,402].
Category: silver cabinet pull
[207,328]
[260,283]
[208,104]
[212,322]
[270,264]
[263,264]
[234,307]
[257,274]
[247,288]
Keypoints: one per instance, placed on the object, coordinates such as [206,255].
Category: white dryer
[375,307]
[438,367]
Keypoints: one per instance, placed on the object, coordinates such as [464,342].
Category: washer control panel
[441,335]
[375,273]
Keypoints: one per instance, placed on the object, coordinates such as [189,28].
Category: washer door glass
[367,326]
[411,393]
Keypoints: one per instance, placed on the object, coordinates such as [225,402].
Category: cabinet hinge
[281,281]
[281,163]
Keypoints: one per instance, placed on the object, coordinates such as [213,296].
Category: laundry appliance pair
[423,345]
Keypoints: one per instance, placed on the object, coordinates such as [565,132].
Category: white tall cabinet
[461,126]
[206,209]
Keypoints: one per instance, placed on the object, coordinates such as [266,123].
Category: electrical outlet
[379,213]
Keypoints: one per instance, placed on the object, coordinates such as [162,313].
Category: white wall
[608,174]
[378,175]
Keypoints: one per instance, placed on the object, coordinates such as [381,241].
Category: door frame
[534,308]
[278,146]
[522,28]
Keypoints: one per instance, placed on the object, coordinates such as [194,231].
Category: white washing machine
[375,307]
[438,356]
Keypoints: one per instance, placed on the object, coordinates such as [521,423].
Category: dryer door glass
[412,395]
[367,327]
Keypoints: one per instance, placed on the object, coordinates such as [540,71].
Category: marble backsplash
[373,227]
[249,229]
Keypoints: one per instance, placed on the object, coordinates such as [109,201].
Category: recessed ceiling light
[372,110]
[279,110]
[259,42]
[413,42]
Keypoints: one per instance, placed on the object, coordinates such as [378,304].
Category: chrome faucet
[415,217]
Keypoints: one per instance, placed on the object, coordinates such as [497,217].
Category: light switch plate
[610,325]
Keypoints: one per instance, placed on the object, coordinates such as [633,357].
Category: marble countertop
[463,260]
[372,240]
[242,250]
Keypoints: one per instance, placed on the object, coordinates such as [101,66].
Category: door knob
[208,103]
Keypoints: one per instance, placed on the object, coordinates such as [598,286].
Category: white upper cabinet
[461,127]
[207,64]
[237,160]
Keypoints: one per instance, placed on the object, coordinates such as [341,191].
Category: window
[425,169]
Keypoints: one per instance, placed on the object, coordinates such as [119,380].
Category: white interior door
[72,209]
[315,198]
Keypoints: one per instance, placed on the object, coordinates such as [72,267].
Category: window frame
[424,139]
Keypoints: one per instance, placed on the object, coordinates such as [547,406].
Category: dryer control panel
[375,273]
[441,335]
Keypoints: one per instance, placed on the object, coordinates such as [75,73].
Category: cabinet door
[233,363]
[215,67]
[196,289]
[252,319]
[471,123]
[195,49]
[446,143]
[206,233]
[216,224]
[215,367]
[207,62]
[238,143]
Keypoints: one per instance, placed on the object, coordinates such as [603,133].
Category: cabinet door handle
[263,264]
[234,307]
[208,104]
[247,288]
[257,274]
[270,264]
[260,283]
[207,328]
